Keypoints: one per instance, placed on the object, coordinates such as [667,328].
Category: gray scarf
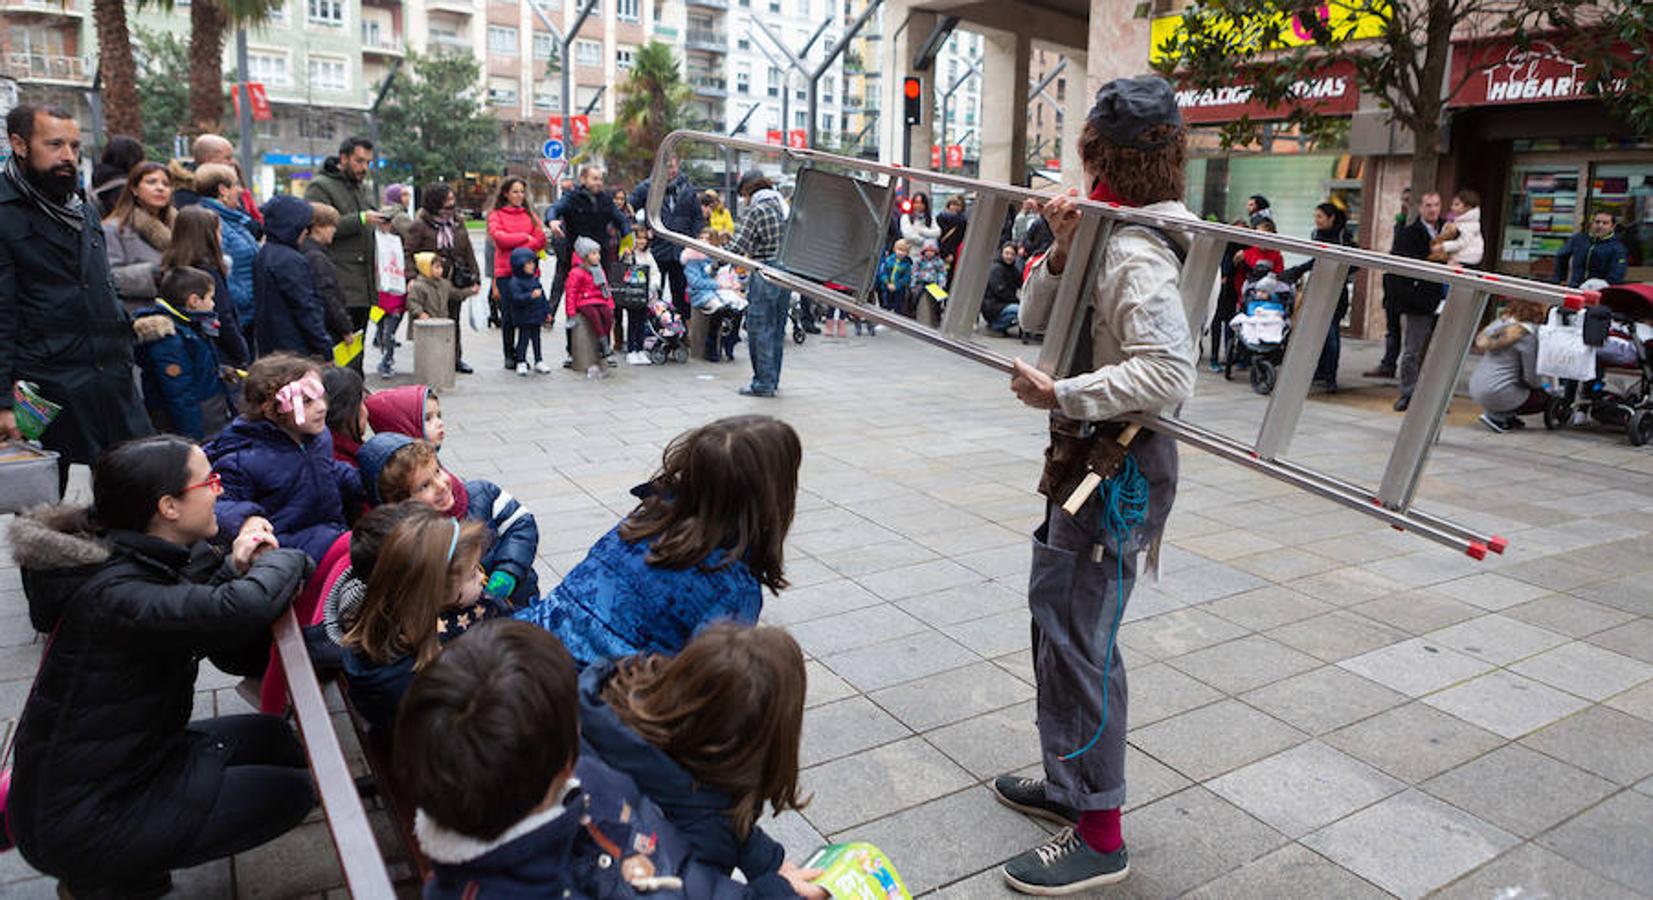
[70,213]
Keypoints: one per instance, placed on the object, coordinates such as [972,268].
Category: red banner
[955,156]
[554,128]
[1541,73]
[935,156]
[260,98]
[797,139]
[582,129]
[1333,92]
[772,136]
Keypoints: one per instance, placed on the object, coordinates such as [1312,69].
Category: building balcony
[382,46]
[25,10]
[457,7]
[707,4]
[39,67]
[709,86]
[445,42]
[704,39]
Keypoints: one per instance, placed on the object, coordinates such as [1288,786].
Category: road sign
[552,149]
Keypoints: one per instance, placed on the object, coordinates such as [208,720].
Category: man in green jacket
[341,185]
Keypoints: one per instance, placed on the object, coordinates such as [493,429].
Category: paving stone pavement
[1321,707]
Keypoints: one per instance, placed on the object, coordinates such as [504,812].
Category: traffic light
[912,92]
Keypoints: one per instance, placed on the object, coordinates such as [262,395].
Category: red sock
[1099,829]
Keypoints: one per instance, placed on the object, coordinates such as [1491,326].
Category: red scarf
[1102,193]
[461,498]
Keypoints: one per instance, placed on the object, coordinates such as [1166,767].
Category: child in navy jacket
[704,541]
[182,383]
[276,458]
[508,805]
[290,314]
[529,307]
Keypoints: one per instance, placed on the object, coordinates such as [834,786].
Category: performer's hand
[1061,212]
[1033,387]
[8,426]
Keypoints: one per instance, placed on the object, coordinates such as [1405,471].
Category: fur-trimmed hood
[153,327]
[1501,335]
[183,175]
[51,538]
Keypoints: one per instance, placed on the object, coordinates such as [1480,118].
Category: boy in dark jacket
[324,223]
[1001,303]
[182,381]
[291,314]
[529,307]
[508,805]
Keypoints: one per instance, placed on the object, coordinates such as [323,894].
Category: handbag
[1562,352]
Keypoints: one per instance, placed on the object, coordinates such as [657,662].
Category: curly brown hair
[269,375]
[1139,177]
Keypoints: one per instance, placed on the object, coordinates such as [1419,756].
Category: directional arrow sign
[553,149]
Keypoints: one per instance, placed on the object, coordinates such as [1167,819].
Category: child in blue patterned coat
[701,546]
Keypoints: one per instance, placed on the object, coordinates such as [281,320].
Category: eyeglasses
[214,482]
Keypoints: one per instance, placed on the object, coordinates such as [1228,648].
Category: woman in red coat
[511,224]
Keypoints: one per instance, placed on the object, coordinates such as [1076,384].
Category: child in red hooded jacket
[586,295]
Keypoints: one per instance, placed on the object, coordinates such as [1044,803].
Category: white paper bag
[1562,352]
[390,263]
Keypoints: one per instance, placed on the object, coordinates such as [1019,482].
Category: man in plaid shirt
[758,236]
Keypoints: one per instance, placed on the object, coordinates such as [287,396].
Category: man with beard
[61,324]
[341,185]
[680,211]
[587,211]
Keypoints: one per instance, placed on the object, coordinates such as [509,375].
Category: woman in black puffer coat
[113,786]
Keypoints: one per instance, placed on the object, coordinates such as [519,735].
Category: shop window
[1542,214]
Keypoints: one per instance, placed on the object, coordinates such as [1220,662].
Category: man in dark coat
[61,324]
[1416,299]
[291,313]
[341,184]
[680,211]
[587,212]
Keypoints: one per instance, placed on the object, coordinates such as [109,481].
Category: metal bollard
[433,354]
[929,311]
[699,323]
[582,347]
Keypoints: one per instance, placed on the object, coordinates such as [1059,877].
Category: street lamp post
[565,44]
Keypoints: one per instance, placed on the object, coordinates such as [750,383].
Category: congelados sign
[1362,22]
[1329,93]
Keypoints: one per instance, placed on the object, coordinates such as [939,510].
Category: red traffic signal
[912,92]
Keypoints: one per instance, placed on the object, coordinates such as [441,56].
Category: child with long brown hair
[707,537]
[712,736]
[427,574]
[276,458]
[195,243]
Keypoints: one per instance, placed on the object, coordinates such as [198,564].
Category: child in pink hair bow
[293,395]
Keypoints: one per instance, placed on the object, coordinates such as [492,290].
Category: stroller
[1262,329]
[666,335]
[1626,350]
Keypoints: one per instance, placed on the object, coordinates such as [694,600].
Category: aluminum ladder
[854,218]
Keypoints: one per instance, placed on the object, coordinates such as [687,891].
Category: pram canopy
[1629,301]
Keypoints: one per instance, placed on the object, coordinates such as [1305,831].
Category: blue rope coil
[1124,506]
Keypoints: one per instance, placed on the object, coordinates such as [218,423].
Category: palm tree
[208,21]
[654,101]
[120,73]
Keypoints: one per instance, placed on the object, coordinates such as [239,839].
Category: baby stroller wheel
[798,333]
[1640,428]
[680,355]
[1556,413]
[1262,376]
[657,355]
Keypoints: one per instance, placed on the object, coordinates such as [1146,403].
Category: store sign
[1357,21]
[1333,92]
[772,137]
[797,139]
[1507,74]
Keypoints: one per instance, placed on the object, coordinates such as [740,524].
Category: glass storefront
[1551,197]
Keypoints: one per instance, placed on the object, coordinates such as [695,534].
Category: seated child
[1505,382]
[586,295]
[706,538]
[529,308]
[276,458]
[711,735]
[425,581]
[395,468]
[412,409]
[347,585]
[488,744]
[428,294]
[895,278]
[346,411]
[183,384]
[715,292]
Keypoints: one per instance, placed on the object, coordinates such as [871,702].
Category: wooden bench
[365,873]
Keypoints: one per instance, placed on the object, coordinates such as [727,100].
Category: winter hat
[374,456]
[584,245]
[1125,108]
[932,244]
[396,193]
[422,261]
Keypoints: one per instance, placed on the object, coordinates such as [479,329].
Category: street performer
[1136,355]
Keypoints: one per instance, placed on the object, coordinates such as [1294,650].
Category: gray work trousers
[1415,343]
[1074,599]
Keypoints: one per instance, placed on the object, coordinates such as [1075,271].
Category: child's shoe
[522,369]
[542,367]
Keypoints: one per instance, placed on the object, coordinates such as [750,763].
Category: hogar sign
[1540,73]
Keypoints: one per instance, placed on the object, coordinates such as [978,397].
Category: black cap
[751,176]
[1127,107]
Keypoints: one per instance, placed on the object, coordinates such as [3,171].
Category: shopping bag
[389,263]
[1562,352]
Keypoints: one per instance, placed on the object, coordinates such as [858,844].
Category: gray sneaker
[1027,795]
[1065,865]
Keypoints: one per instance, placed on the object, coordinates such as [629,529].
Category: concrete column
[1075,106]
[1006,59]
[1118,45]
[906,30]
